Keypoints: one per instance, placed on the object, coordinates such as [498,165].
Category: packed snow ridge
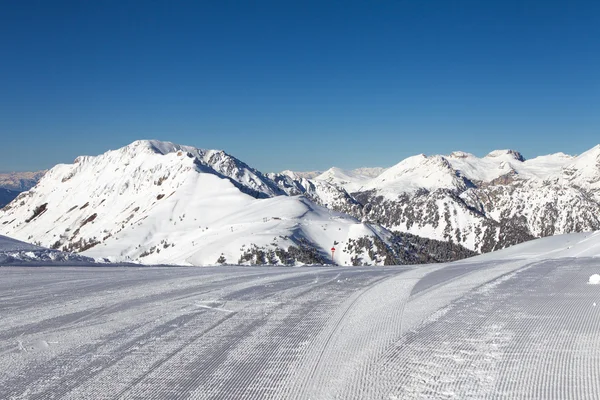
[15,252]
[160,202]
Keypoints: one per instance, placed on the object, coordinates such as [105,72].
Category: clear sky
[298,85]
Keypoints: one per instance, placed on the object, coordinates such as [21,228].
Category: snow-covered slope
[582,244]
[158,202]
[368,171]
[521,323]
[584,171]
[222,226]
[300,175]
[415,173]
[9,244]
[502,162]
[349,180]
[322,192]
[15,252]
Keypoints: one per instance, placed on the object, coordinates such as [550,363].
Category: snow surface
[301,175]
[507,325]
[15,252]
[584,244]
[501,162]
[8,244]
[350,180]
[414,173]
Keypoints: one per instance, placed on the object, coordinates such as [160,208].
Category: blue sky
[298,84]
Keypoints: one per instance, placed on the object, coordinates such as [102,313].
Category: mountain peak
[301,174]
[506,152]
[460,154]
[157,146]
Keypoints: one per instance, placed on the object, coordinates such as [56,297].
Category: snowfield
[516,324]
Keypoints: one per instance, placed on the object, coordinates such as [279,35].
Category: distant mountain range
[159,202]
[6,196]
[13,183]
[20,181]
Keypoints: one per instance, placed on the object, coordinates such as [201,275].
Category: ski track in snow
[499,329]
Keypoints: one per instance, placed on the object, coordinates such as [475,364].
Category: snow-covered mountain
[300,175]
[483,203]
[349,180]
[20,181]
[158,202]
[151,199]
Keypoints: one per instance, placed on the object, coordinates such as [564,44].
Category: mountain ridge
[158,202]
[481,204]
[486,203]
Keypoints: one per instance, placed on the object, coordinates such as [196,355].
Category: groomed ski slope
[518,324]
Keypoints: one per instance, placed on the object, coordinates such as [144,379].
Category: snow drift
[15,252]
